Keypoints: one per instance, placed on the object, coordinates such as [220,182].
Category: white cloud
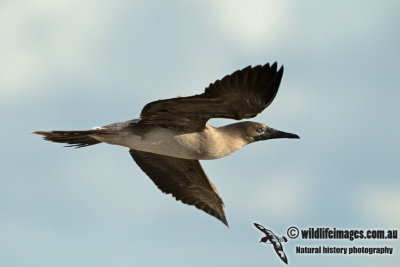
[285,196]
[42,40]
[380,204]
[252,24]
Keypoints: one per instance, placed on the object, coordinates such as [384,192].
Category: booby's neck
[225,140]
[233,131]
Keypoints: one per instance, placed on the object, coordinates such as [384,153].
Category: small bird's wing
[183,178]
[262,228]
[279,250]
[241,95]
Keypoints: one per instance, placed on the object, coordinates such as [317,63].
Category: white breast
[208,144]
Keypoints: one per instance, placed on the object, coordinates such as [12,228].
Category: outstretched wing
[241,95]
[183,178]
[279,250]
[261,228]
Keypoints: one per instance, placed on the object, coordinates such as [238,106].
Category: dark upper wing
[261,228]
[184,179]
[279,250]
[241,95]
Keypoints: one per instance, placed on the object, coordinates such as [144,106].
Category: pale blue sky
[77,64]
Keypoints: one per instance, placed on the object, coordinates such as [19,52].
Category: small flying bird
[274,240]
[172,135]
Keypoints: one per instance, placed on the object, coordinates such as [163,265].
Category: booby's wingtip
[274,66]
[224,221]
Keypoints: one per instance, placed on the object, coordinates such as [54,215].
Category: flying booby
[172,135]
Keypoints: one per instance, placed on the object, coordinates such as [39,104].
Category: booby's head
[258,131]
[264,239]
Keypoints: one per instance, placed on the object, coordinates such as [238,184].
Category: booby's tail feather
[72,138]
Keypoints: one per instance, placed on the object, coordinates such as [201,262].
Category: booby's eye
[260,130]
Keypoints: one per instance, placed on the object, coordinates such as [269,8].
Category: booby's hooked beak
[271,133]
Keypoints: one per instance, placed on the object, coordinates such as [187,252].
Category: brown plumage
[172,135]
[185,179]
[241,95]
